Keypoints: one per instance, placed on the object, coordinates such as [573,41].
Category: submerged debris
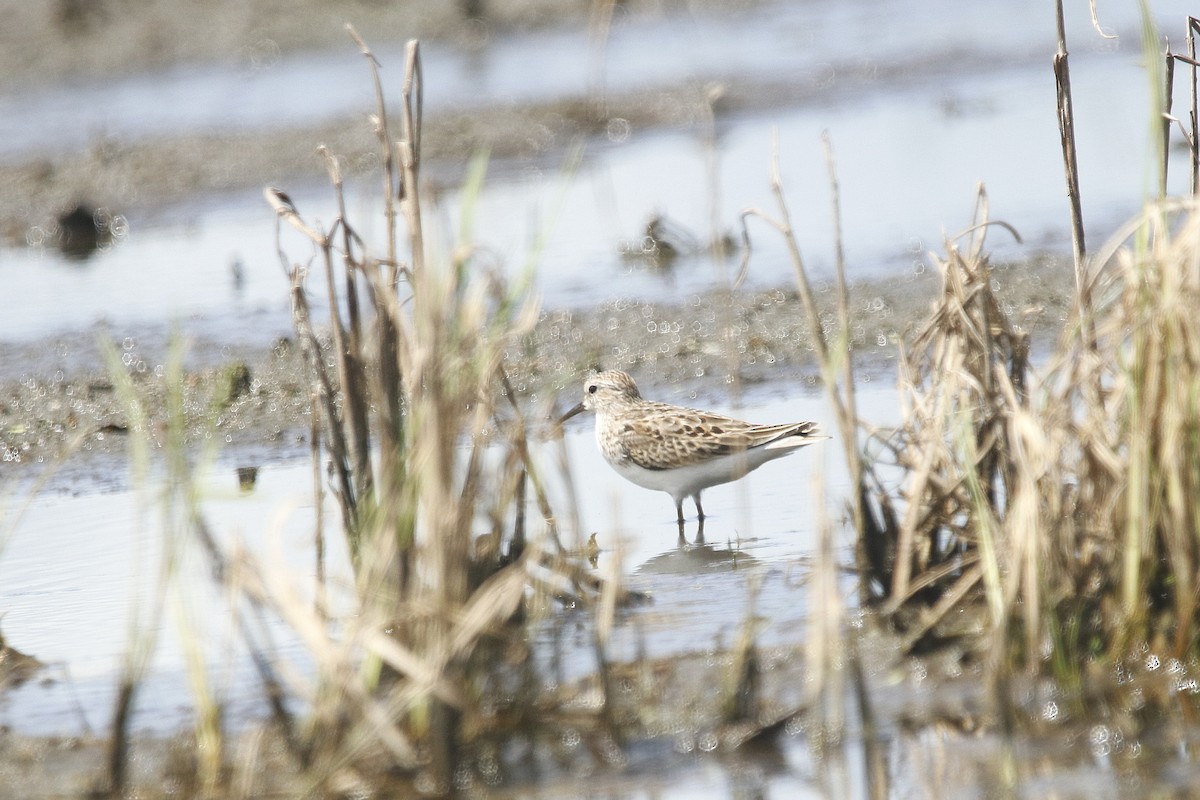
[662,242]
[81,231]
[247,478]
[16,667]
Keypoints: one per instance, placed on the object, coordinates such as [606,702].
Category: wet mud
[63,420]
[68,40]
[60,412]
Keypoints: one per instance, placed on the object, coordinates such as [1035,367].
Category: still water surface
[75,569]
[954,94]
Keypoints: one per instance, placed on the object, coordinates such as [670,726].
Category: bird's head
[603,390]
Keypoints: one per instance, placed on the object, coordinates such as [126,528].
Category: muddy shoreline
[67,40]
[59,411]
[137,177]
[61,414]
[71,39]
[65,424]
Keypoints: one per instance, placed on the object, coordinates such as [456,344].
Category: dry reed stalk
[1193,26]
[871,542]
[390,384]
[322,387]
[1140,441]
[1066,128]
[837,371]
[1191,132]
[449,460]
[826,647]
[963,380]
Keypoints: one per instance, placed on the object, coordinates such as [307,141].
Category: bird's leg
[699,508]
[679,510]
[700,532]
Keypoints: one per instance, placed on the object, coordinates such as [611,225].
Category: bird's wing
[674,437]
[791,434]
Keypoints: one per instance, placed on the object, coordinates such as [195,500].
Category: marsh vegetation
[1029,525]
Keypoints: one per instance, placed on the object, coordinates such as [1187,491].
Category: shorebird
[677,450]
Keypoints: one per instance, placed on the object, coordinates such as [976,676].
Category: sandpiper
[677,450]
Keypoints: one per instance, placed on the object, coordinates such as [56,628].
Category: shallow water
[771,40]
[76,572]
[74,568]
[974,102]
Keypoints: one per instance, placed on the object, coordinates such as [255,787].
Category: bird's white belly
[687,480]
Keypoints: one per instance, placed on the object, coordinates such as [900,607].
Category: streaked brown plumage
[677,450]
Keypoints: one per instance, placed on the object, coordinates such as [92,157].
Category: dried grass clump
[1125,557]
[1057,517]
[431,468]
[963,389]
[1071,505]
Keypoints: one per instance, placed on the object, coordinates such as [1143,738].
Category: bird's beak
[576,410]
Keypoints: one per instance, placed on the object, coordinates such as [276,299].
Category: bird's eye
[592,389]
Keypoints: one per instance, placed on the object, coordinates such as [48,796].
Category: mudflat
[64,41]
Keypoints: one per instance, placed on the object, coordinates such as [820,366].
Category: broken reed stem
[869,542]
[1191,132]
[390,428]
[321,388]
[390,187]
[1066,129]
[1193,26]
[353,422]
[1164,145]
[347,340]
